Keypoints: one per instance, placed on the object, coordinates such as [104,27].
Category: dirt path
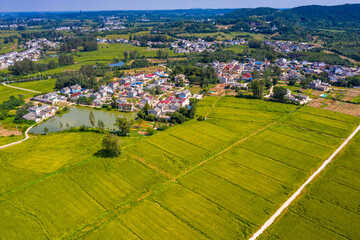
[298,192]
[24,89]
[14,143]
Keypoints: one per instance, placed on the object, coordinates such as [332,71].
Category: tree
[254,74]
[126,54]
[150,131]
[257,88]
[92,119]
[123,125]
[46,130]
[275,80]
[111,145]
[279,93]
[101,124]
[292,81]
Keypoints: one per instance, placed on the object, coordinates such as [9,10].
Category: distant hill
[334,15]
[347,15]
[247,12]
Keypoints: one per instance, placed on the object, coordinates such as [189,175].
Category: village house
[184,94]
[319,85]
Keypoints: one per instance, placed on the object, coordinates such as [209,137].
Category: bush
[201,118]
[150,131]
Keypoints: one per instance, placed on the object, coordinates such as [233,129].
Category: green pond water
[77,117]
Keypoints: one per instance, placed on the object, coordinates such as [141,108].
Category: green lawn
[221,178]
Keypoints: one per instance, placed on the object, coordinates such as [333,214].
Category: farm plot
[238,127]
[112,230]
[255,104]
[266,166]
[319,126]
[12,218]
[7,92]
[329,122]
[24,163]
[249,115]
[188,151]
[330,208]
[216,131]
[157,156]
[204,106]
[56,151]
[59,203]
[198,139]
[43,86]
[307,135]
[261,185]
[299,145]
[237,200]
[207,217]
[330,114]
[150,221]
[284,155]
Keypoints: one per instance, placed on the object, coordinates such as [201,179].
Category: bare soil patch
[336,106]
[7,132]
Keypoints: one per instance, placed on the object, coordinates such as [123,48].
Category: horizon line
[138,10]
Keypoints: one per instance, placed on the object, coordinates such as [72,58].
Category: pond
[77,117]
[118,64]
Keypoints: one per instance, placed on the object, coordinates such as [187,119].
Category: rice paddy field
[7,92]
[330,207]
[43,86]
[221,178]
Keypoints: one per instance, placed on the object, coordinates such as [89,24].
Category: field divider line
[274,131]
[226,149]
[271,220]
[294,150]
[151,165]
[34,218]
[236,185]
[274,160]
[180,219]
[332,203]
[311,130]
[258,172]
[218,205]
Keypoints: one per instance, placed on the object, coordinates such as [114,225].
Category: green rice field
[221,178]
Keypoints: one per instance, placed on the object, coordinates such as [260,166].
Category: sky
[94,5]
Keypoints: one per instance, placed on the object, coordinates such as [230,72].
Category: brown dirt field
[336,106]
[7,132]
[351,94]
[153,60]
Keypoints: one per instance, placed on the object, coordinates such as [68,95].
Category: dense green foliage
[27,66]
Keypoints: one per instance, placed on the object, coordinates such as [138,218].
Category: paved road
[24,89]
[298,192]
